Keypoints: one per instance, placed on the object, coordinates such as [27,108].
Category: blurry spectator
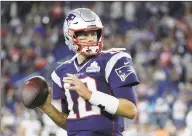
[116,10]
[14,65]
[187,62]
[144,111]
[50,58]
[10,100]
[30,126]
[131,131]
[165,57]
[161,112]
[170,127]
[145,129]
[99,7]
[129,11]
[40,62]
[188,123]
[179,113]
[7,123]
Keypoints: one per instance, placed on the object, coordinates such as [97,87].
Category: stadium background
[158,35]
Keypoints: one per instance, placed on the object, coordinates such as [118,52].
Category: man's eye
[82,39]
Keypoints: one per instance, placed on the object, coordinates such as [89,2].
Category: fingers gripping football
[47,101]
[77,85]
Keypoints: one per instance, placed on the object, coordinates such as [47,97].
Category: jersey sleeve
[119,71]
[126,92]
[58,91]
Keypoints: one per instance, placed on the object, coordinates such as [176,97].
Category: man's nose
[90,38]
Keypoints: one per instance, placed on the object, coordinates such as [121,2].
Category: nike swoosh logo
[126,63]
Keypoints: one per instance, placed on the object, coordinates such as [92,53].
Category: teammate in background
[95,87]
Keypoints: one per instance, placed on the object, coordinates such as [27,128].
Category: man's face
[87,41]
[87,36]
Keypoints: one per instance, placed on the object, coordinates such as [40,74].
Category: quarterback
[95,86]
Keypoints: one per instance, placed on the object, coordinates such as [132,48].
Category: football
[34,92]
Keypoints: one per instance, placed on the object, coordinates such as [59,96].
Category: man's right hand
[58,117]
[47,102]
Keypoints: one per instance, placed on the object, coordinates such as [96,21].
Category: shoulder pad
[106,55]
[68,61]
[114,50]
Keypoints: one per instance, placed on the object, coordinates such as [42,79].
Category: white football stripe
[56,79]
[112,61]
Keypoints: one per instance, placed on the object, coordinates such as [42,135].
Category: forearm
[126,109]
[113,105]
[58,117]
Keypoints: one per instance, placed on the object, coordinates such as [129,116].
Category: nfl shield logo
[94,67]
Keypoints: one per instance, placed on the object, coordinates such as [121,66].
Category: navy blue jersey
[104,73]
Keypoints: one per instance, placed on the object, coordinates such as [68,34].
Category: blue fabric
[94,133]
[125,92]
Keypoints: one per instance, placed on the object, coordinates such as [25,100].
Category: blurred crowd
[158,35]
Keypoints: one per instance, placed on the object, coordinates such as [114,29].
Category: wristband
[104,101]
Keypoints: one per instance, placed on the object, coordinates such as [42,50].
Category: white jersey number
[91,85]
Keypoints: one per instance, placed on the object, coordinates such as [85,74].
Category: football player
[95,86]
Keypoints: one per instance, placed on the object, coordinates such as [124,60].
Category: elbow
[131,113]
[127,109]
